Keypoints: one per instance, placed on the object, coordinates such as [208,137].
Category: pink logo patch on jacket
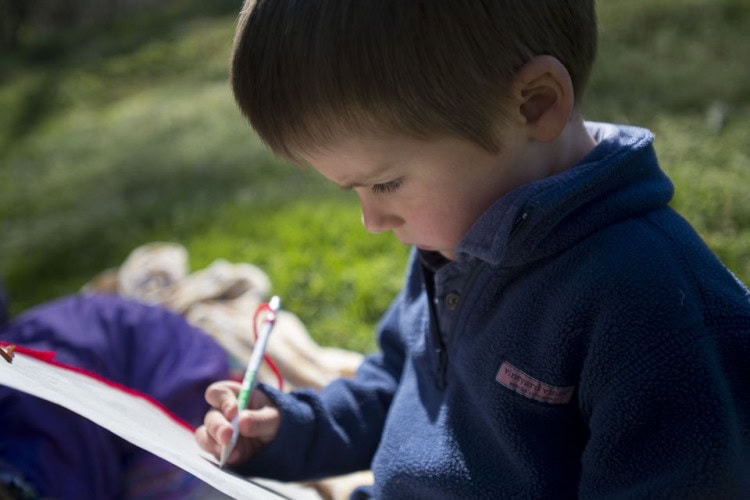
[526,385]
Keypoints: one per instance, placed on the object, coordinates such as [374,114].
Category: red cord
[275,369]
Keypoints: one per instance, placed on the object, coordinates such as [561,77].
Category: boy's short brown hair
[306,71]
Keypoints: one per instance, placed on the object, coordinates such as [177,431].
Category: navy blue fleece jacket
[584,342]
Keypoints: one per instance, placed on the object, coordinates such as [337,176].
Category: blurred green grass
[113,138]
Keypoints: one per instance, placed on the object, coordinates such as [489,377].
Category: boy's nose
[377,221]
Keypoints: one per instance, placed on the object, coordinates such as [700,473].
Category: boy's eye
[386,187]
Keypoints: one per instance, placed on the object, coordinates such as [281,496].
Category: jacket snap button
[451,300]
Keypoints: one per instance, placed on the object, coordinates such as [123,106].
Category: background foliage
[118,128]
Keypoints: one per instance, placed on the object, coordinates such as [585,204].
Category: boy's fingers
[258,399]
[206,442]
[262,423]
[217,427]
[223,396]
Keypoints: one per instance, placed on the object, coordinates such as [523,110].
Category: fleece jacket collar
[610,184]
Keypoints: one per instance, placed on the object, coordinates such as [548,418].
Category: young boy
[561,331]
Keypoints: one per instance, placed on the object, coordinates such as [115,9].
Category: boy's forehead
[359,160]
[351,172]
[364,160]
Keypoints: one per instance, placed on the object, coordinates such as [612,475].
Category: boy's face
[428,192]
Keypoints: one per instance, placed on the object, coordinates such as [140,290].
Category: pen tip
[224,456]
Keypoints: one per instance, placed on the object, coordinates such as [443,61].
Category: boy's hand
[258,424]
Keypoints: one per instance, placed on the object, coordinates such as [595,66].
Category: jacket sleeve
[673,421]
[335,430]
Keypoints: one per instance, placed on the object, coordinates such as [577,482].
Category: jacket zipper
[518,222]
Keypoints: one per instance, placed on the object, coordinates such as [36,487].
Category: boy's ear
[543,97]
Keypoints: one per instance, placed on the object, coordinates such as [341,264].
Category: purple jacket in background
[146,348]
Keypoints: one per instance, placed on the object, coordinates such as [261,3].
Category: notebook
[134,417]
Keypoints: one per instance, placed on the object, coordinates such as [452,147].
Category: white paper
[134,419]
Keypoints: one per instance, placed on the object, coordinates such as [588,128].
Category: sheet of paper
[134,418]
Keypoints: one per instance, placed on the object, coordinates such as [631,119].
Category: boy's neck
[569,148]
[544,159]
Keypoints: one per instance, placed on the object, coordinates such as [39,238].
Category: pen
[248,380]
